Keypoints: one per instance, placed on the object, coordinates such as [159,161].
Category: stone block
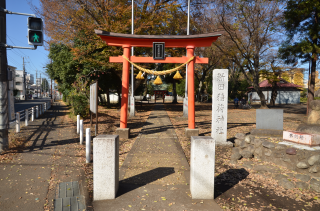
[271,119]
[315,105]
[267,132]
[240,136]
[123,133]
[202,164]
[105,167]
[191,132]
[302,138]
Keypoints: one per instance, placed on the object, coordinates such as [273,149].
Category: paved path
[29,178]
[155,174]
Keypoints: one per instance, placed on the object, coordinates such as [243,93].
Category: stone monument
[220,106]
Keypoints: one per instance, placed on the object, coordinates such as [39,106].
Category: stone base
[191,132]
[123,132]
[266,132]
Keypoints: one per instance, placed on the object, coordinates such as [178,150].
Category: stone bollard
[202,163]
[45,107]
[81,131]
[32,114]
[37,112]
[18,122]
[78,124]
[105,167]
[88,145]
[26,117]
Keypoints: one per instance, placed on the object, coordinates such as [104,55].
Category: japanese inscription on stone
[219,105]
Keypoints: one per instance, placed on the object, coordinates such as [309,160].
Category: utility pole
[40,86]
[4,121]
[37,83]
[132,101]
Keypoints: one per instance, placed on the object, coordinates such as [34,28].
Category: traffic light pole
[4,121]
[10,46]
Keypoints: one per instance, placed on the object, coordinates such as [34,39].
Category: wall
[283,97]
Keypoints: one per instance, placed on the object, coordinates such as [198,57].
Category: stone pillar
[132,106]
[105,167]
[202,162]
[26,117]
[18,122]
[81,131]
[219,106]
[88,145]
[32,114]
[78,124]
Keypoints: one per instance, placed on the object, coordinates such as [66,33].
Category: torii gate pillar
[125,88]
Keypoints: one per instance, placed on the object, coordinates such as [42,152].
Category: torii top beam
[172,41]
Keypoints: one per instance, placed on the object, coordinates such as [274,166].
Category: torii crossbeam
[126,41]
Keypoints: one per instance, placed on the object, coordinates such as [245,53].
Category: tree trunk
[108,97]
[119,98]
[274,93]
[312,82]
[174,92]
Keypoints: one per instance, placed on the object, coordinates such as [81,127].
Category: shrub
[79,104]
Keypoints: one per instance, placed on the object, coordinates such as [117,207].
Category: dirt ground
[238,187]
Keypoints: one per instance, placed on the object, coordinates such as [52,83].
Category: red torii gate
[126,41]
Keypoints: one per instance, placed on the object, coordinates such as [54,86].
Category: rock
[301,155]
[278,154]
[258,152]
[302,185]
[314,160]
[243,144]
[302,165]
[286,158]
[237,142]
[268,152]
[257,142]
[248,139]
[313,117]
[268,144]
[240,136]
[315,105]
[314,169]
[302,177]
[315,185]
[235,149]
[251,148]
[246,154]
[280,147]
[286,184]
[279,176]
[291,151]
[309,128]
[235,156]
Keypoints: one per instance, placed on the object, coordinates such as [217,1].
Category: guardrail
[33,112]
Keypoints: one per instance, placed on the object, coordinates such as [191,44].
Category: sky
[17,30]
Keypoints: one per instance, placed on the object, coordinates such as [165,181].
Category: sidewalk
[47,154]
[155,174]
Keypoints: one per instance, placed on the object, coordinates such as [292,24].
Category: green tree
[303,36]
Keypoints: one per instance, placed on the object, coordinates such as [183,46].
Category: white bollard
[88,145]
[26,117]
[202,162]
[32,114]
[105,167]
[78,124]
[81,131]
[18,122]
[45,107]
[37,112]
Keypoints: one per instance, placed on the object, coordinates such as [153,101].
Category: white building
[20,84]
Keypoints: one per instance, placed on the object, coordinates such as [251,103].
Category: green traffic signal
[35,36]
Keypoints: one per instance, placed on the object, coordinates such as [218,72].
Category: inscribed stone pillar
[219,106]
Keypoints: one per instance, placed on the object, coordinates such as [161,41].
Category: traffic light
[35,35]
